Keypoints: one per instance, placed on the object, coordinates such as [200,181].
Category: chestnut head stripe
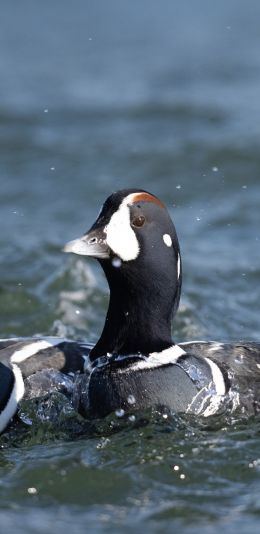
[145,197]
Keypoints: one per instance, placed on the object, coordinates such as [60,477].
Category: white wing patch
[32,348]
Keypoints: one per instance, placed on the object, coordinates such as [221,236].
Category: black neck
[137,321]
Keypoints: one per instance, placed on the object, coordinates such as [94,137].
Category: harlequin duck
[135,364]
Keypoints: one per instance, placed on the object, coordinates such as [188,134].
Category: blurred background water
[97,96]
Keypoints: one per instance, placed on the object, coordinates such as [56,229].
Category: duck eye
[138,221]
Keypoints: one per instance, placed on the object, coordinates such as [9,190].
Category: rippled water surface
[96,96]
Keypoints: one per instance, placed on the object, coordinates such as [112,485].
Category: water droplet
[131,399]
[116,262]
[178,186]
[32,491]
[131,418]
[103,443]
[120,412]
[215,169]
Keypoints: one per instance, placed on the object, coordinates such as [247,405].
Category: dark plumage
[135,363]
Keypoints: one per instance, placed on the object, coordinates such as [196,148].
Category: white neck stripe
[158,359]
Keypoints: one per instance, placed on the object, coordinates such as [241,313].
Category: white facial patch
[120,236]
[167,240]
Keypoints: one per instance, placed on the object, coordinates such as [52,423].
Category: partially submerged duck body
[135,363]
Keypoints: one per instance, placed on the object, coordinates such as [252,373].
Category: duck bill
[91,244]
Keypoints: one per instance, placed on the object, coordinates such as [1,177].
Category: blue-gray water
[96,96]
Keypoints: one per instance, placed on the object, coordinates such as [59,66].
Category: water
[96,96]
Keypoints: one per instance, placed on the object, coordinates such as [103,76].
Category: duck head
[135,242]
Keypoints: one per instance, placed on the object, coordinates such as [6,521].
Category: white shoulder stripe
[217,377]
[16,395]
[215,346]
[196,341]
[32,348]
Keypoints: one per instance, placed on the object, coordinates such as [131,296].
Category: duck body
[200,378]
[135,364]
